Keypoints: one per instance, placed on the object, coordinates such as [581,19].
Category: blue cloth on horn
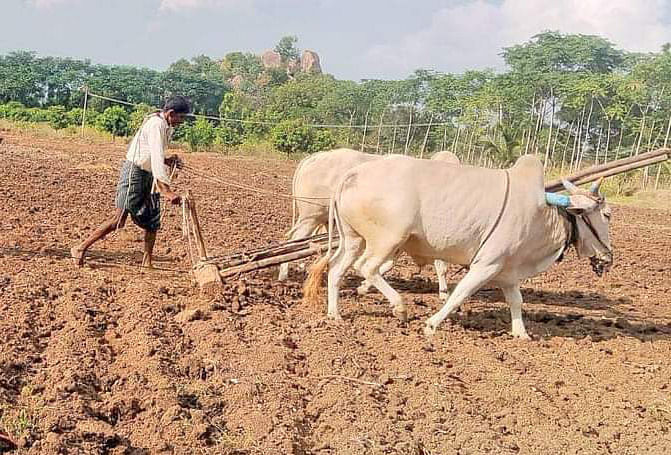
[558,200]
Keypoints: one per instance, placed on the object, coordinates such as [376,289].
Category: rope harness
[494,226]
[196,172]
[498,218]
[572,236]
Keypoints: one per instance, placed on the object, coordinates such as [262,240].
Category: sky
[355,39]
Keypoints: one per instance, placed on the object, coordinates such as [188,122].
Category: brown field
[98,360]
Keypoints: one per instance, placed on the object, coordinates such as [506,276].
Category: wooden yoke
[207,275]
[594,173]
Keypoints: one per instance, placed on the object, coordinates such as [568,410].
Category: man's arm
[171,195]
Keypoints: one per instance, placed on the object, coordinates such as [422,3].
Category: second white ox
[495,221]
[315,181]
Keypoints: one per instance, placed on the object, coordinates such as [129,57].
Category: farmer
[145,164]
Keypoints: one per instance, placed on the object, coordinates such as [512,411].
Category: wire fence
[564,150]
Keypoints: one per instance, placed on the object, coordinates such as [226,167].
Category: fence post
[552,120]
[456,139]
[666,141]
[393,140]
[598,146]
[86,100]
[407,136]
[568,141]
[581,155]
[659,171]
[554,146]
[426,137]
[645,171]
[365,127]
[349,129]
[379,131]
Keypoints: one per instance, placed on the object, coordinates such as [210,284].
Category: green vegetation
[201,134]
[114,120]
[573,99]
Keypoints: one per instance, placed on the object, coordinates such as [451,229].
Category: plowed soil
[113,358]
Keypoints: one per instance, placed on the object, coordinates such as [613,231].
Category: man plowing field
[143,170]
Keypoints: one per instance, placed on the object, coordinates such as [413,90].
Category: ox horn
[570,187]
[594,188]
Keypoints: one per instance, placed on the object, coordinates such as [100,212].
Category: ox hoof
[283,274]
[429,330]
[401,312]
[363,289]
[444,295]
[334,317]
[521,335]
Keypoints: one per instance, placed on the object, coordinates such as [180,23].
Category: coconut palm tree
[505,146]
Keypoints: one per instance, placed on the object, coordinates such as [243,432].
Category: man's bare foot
[147,263]
[77,255]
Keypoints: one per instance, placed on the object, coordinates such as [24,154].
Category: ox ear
[570,187]
[595,187]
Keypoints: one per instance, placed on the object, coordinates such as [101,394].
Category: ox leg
[441,271]
[338,266]
[364,288]
[395,299]
[514,298]
[370,268]
[302,229]
[469,284]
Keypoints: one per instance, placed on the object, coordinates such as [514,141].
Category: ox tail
[312,289]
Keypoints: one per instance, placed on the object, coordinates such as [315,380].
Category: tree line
[572,98]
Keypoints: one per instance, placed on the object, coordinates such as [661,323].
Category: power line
[261,122]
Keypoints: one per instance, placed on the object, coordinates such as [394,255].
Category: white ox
[495,221]
[315,181]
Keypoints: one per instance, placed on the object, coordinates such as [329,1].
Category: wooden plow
[210,271]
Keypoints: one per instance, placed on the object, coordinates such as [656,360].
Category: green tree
[294,136]
[75,116]
[287,49]
[200,134]
[228,135]
[20,78]
[291,136]
[321,139]
[551,52]
[505,146]
[244,64]
[114,120]
[58,118]
[301,98]
[138,115]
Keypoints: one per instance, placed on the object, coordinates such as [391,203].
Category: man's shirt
[147,149]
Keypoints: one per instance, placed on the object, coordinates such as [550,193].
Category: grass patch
[660,199]
[17,424]
[44,130]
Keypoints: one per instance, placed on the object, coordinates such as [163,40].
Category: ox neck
[570,225]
